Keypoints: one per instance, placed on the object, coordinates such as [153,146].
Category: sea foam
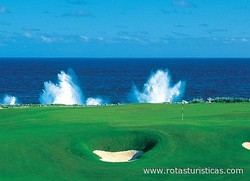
[66,91]
[158,89]
[94,101]
[9,100]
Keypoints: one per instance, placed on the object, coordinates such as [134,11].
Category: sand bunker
[246,145]
[120,156]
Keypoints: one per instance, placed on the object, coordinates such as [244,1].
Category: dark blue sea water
[112,79]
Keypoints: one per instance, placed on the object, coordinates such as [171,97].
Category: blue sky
[125,28]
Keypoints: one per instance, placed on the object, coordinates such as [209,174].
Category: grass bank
[56,143]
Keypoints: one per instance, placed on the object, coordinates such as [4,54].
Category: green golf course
[57,143]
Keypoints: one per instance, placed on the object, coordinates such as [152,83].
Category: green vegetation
[221,100]
[56,143]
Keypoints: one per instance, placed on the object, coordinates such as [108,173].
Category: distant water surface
[112,79]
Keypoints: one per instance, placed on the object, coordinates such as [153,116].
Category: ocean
[113,80]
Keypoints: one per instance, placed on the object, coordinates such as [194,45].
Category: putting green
[57,143]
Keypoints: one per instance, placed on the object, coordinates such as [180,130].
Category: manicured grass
[56,143]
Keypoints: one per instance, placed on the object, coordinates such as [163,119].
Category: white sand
[246,145]
[120,156]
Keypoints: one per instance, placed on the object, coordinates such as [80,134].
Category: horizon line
[39,57]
